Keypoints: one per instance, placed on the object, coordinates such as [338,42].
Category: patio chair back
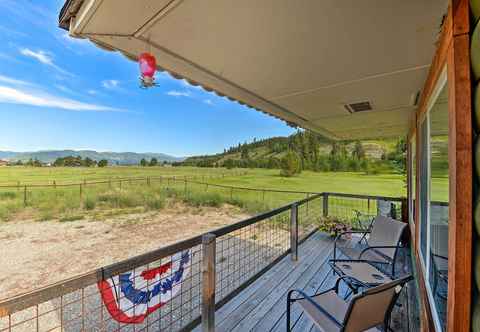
[373,306]
[386,232]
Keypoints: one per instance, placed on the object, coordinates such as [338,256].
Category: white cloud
[188,85]
[175,93]
[64,88]
[208,101]
[43,57]
[37,98]
[14,81]
[110,84]
[92,92]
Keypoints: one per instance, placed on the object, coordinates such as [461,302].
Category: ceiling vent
[362,106]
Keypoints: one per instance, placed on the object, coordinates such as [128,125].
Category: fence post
[308,196]
[325,204]
[294,232]
[25,196]
[208,282]
[81,192]
[231,193]
[185,180]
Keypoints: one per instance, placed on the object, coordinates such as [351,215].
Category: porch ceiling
[300,61]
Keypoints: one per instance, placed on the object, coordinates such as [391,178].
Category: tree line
[303,151]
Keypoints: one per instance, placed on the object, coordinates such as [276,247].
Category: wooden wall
[453,51]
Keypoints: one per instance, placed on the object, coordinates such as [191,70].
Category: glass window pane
[438,238]
[424,187]
[413,179]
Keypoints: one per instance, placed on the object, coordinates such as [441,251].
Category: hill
[120,158]
[314,151]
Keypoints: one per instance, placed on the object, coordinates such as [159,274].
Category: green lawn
[62,202]
[341,182]
[43,175]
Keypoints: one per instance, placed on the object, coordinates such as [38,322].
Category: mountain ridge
[120,158]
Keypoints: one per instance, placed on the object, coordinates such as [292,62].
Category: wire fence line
[173,287]
[169,288]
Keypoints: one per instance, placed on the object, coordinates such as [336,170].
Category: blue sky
[62,93]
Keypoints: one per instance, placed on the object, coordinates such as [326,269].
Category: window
[433,201]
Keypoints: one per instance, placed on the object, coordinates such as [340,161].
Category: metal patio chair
[383,243]
[362,222]
[365,311]
[439,259]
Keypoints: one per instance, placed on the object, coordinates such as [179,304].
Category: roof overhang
[300,61]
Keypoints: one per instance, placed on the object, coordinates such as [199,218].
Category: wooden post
[185,180]
[81,192]
[231,194]
[208,282]
[294,232]
[325,204]
[308,196]
[25,196]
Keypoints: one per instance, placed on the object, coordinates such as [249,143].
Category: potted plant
[333,226]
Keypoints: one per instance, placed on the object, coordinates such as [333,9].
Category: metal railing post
[208,282]
[294,232]
[325,204]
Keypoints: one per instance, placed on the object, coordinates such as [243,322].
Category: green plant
[71,218]
[291,164]
[89,203]
[333,225]
[8,195]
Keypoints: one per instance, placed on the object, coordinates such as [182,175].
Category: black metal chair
[383,243]
[365,311]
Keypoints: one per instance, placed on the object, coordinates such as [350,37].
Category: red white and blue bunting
[130,297]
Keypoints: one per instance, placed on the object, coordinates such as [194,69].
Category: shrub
[155,203]
[71,218]
[89,203]
[8,195]
[204,199]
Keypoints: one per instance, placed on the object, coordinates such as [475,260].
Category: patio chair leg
[288,310]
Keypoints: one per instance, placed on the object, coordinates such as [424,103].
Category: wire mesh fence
[162,290]
[159,290]
[349,207]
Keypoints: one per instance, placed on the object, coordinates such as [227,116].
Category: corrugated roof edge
[69,10]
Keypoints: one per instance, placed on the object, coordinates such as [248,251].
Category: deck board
[262,305]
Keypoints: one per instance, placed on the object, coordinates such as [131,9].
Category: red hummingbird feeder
[148,66]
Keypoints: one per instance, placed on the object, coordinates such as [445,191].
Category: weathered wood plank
[255,307]
[321,276]
[310,280]
[306,249]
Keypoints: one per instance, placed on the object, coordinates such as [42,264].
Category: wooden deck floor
[262,305]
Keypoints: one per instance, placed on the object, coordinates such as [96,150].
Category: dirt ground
[35,254]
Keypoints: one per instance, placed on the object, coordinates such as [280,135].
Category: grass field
[46,175]
[98,201]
